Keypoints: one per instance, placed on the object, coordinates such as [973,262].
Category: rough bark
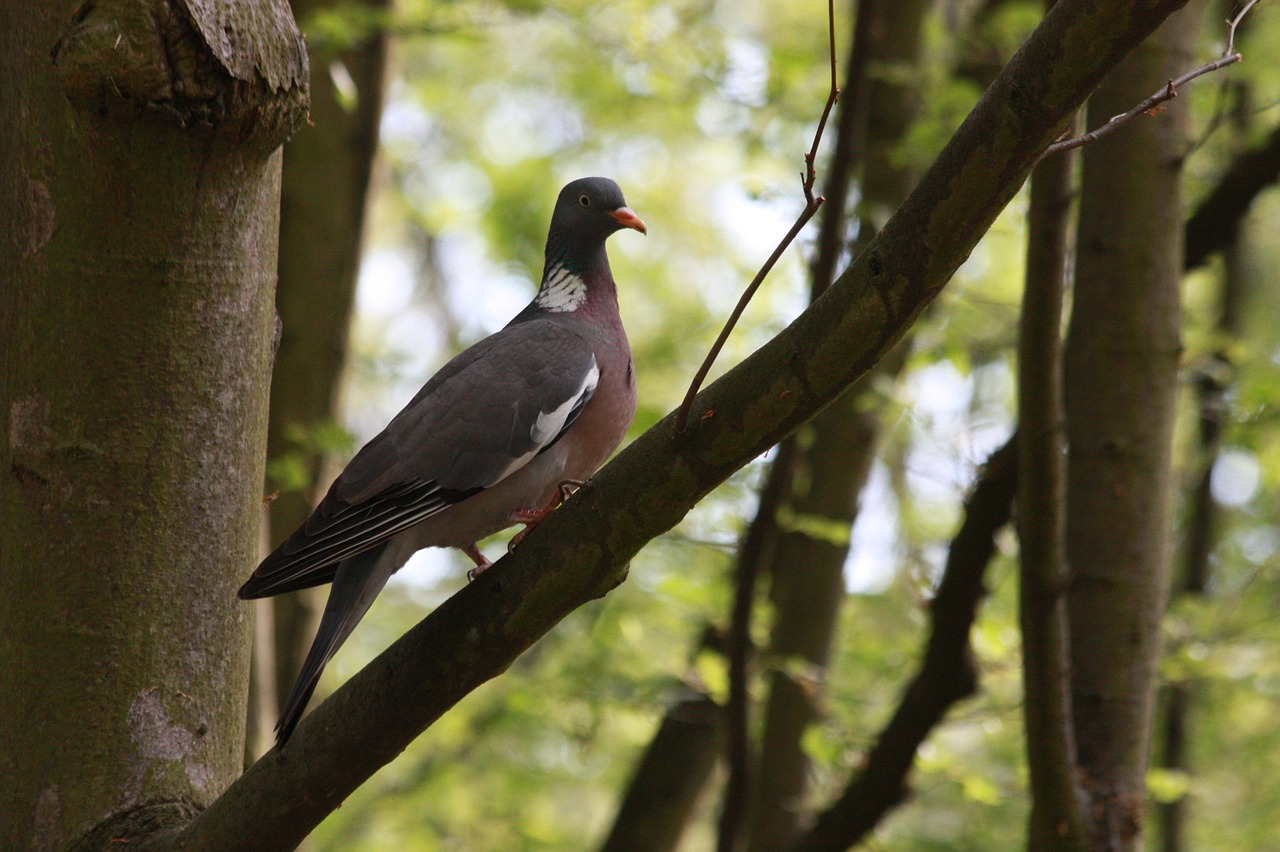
[1121,389]
[653,483]
[675,768]
[1057,821]
[836,451]
[947,673]
[140,172]
[327,168]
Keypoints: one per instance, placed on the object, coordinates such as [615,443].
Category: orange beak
[628,219]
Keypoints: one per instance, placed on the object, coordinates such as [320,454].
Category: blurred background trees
[701,110]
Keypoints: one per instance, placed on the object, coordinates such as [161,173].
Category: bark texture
[1121,388]
[139,169]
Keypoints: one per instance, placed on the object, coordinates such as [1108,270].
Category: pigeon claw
[532,517]
[482,562]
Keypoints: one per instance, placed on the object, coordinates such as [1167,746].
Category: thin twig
[812,203]
[1235,22]
[1151,105]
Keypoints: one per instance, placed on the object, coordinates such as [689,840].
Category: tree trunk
[327,168]
[1057,821]
[141,176]
[675,768]
[1121,388]
[1212,388]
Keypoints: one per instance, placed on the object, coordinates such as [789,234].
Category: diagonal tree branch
[1216,221]
[947,673]
[581,553]
[1155,104]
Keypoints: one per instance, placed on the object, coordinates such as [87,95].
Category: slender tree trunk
[808,587]
[141,176]
[327,168]
[754,554]
[1203,520]
[1057,821]
[836,451]
[1121,389]
[668,781]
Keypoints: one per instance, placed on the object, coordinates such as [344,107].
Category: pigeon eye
[584,200]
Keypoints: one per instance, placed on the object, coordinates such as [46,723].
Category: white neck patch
[561,291]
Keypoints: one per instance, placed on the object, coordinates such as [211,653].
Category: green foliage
[295,470]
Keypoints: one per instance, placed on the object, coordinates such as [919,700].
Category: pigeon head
[586,213]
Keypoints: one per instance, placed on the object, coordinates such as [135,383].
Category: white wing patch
[548,424]
[561,291]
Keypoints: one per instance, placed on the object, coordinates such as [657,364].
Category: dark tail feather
[355,585]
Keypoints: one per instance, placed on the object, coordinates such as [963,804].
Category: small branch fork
[1154,105]
[812,203]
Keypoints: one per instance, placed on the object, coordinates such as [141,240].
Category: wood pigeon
[490,441]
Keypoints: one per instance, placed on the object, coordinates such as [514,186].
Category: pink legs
[530,518]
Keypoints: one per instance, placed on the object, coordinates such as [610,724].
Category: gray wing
[485,415]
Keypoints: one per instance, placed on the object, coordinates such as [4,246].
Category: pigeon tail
[355,585]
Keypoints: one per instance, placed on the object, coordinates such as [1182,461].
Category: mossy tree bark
[1121,387]
[140,172]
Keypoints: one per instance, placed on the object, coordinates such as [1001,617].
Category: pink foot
[482,562]
[532,517]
